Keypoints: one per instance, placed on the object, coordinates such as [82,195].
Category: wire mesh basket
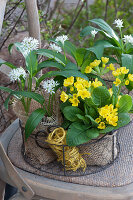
[89,161]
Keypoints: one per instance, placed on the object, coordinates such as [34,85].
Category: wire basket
[60,167]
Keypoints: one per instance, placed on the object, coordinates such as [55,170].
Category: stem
[64,53]
[52,97]
[121,39]
[49,105]
[119,90]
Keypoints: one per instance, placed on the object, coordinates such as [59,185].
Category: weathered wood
[2,12]
[2,190]
[33,19]
[14,175]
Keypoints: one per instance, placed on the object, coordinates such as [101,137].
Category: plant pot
[35,148]
[101,151]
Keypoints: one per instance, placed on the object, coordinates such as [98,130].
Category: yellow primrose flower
[101,125]
[71,89]
[127,82]
[98,120]
[69,81]
[63,96]
[117,82]
[86,83]
[110,91]
[110,114]
[105,60]
[74,102]
[79,79]
[95,63]
[117,72]
[88,69]
[96,83]
[112,120]
[79,86]
[84,93]
[130,76]
[111,67]
[124,70]
[75,96]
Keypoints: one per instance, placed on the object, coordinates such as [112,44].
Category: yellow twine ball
[72,158]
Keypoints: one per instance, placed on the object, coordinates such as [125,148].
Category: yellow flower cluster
[111,67]
[93,64]
[108,115]
[69,81]
[120,71]
[80,88]
[96,83]
[120,74]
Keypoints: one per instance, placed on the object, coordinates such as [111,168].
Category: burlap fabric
[100,152]
[117,174]
[31,150]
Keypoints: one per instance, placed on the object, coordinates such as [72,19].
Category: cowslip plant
[121,46]
[90,109]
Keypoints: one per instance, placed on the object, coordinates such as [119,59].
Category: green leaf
[81,126]
[82,118]
[94,123]
[127,61]
[101,95]
[107,129]
[125,104]
[49,63]
[6,101]
[76,136]
[31,63]
[66,73]
[70,48]
[80,55]
[6,89]
[123,119]
[92,133]
[33,121]
[115,89]
[71,66]
[87,31]
[7,63]
[52,54]
[105,27]
[70,113]
[10,47]
[99,47]
[19,47]
[37,97]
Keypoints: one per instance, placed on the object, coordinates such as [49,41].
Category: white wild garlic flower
[15,74]
[29,44]
[93,33]
[62,39]
[119,23]
[55,47]
[128,39]
[49,85]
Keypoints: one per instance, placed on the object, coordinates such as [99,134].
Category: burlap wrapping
[101,152]
[32,150]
